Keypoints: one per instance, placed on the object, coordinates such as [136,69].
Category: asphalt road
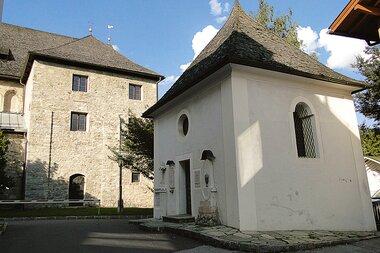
[79,236]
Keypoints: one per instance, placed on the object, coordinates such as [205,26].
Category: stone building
[68,96]
[260,136]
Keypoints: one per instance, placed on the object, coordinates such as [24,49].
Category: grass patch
[81,211]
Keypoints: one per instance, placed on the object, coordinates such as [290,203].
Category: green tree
[136,152]
[370,141]
[368,101]
[281,25]
[5,181]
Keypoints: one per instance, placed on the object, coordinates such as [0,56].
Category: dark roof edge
[36,30]
[359,85]
[160,103]
[37,56]
[10,78]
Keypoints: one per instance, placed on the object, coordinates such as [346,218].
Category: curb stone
[261,247]
[110,217]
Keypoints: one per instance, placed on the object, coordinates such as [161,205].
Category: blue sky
[158,34]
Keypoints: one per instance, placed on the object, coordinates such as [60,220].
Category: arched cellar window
[76,188]
[304,122]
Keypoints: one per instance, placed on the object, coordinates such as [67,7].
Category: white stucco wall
[246,120]
[278,190]
[205,133]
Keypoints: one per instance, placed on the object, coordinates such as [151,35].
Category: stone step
[178,218]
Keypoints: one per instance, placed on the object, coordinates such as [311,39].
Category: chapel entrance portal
[186,186]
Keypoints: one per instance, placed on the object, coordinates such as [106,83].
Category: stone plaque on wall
[171,178]
[157,199]
[197,179]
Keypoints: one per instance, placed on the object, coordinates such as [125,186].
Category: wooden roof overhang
[359,19]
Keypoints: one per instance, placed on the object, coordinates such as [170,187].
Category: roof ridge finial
[109,34]
[237,5]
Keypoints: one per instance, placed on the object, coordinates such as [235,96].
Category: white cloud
[183,67]
[116,48]
[308,39]
[202,38]
[169,80]
[343,51]
[216,7]
[220,19]
[200,41]
[226,7]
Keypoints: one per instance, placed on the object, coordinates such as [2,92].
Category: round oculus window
[183,125]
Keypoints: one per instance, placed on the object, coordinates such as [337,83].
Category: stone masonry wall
[76,152]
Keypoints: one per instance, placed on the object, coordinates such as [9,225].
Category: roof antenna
[90,27]
[109,34]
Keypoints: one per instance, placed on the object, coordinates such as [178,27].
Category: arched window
[11,103]
[304,122]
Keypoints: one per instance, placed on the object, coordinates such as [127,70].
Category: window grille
[303,125]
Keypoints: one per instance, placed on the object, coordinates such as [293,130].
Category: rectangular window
[80,83]
[135,177]
[78,121]
[134,92]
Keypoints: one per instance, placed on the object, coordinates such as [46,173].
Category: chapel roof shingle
[243,41]
[25,44]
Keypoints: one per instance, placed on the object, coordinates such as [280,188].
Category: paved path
[366,246]
[87,236]
[264,241]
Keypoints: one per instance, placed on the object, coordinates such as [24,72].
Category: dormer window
[5,54]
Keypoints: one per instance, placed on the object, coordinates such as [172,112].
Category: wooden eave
[359,19]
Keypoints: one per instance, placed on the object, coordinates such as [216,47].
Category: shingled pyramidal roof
[243,41]
[25,45]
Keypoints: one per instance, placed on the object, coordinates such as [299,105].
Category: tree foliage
[370,141]
[5,181]
[136,151]
[281,25]
[368,101]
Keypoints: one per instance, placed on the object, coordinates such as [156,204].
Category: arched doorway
[76,188]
